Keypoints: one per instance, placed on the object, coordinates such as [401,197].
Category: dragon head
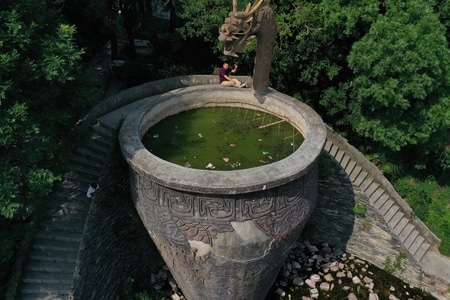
[238,28]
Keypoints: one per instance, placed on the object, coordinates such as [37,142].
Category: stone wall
[115,246]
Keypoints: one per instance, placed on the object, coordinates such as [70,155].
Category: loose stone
[328,277]
[280,292]
[356,280]
[314,293]
[297,281]
[315,278]
[340,274]
[310,283]
[373,296]
[325,286]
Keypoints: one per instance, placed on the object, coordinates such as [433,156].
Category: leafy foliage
[42,95]
[401,82]
[430,202]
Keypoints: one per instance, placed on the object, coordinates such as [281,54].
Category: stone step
[339,155]
[108,124]
[410,239]
[88,172]
[366,183]
[328,145]
[87,162]
[393,215]
[71,212]
[390,213]
[64,226]
[385,207]
[360,178]
[401,223]
[103,150]
[344,162]
[77,220]
[52,233]
[104,129]
[77,201]
[375,196]
[371,189]
[91,154]
[101,141]
[74,197]
[51,266]
[72,184]
[31,295]
[83,179]
[351,164]
[68,195]
[420,253]
[65,223]
[55,245]
[59,289]
[395,220]
[416,244]
[381,200]
[334,150]
[50,255]
[70,241]
[49,277]
[355,172]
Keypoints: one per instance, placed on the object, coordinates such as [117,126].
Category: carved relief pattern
[218,209]
[149,191]
[174,218]
[255,208]
[181,205]
[202,232]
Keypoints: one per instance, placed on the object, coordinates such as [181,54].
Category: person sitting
[225,78]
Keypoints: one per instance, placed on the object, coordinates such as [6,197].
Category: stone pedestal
[223,234]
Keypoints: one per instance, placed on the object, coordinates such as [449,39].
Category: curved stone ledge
[264,177]
[148,89]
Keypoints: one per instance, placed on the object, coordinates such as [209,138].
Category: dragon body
[256,21]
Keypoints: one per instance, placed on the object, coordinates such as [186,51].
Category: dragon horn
[249,11]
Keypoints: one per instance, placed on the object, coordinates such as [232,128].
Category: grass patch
[430,201]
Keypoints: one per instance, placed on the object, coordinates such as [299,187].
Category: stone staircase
[414,236]
[53,256]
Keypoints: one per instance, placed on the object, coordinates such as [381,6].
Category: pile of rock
[314,272]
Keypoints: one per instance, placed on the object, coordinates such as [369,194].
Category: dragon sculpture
[258,21]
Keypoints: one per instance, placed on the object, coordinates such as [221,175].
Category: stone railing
[379,178]
[146,90]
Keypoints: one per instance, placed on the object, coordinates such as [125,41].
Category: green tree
[401,85]
[43,92]
[40,101]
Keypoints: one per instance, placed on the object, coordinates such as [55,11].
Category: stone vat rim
[224,182]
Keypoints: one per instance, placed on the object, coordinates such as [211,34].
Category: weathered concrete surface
[223,234]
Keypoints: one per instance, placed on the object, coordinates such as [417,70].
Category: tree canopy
[39,100]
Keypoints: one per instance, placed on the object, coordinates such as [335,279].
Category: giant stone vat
[223,234]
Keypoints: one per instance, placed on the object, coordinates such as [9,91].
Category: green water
[222,138]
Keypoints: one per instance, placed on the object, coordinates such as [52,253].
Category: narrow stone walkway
[52,261]
[53,257]
[410,231]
